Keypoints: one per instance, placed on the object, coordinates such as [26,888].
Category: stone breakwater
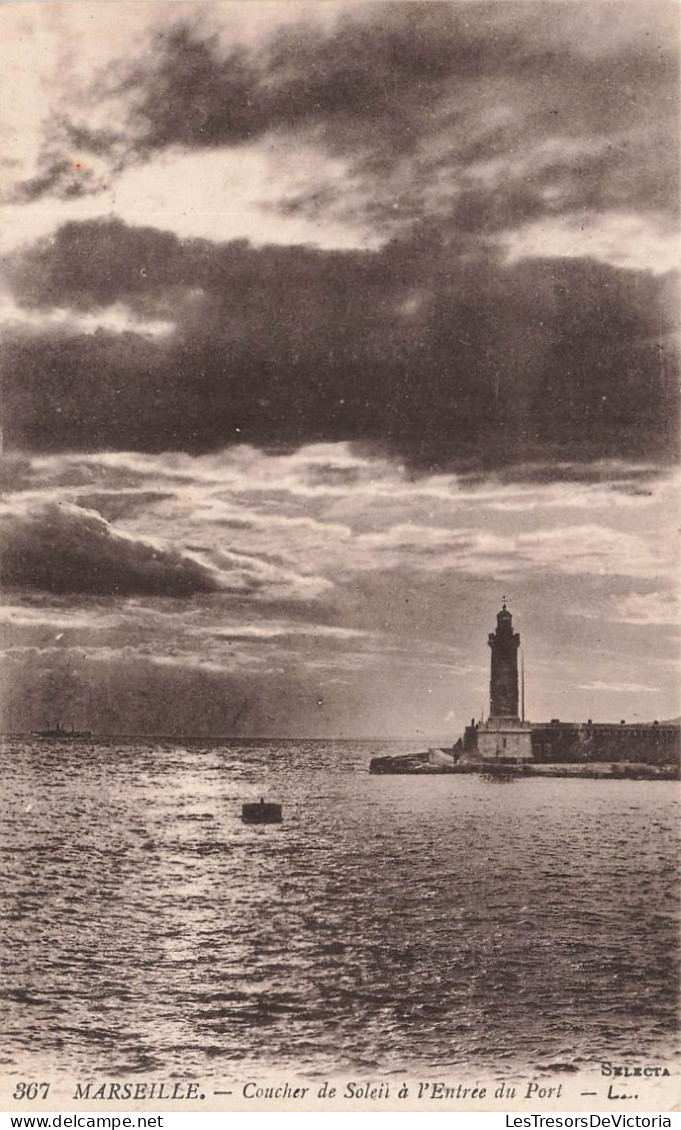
[419,764]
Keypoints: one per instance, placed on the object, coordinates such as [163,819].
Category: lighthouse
[504,737]
[503,685]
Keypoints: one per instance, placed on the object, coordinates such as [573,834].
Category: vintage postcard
[340,693]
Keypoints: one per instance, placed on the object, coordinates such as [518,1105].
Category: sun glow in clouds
[324,325]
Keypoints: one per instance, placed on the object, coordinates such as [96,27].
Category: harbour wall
[650,743]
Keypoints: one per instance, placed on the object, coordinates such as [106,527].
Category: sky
[326,326]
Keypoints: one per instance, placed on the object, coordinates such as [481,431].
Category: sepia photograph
[340,711]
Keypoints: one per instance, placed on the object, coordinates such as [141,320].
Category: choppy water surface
[390,923]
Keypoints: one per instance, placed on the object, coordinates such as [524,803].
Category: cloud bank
[63,548]
[438,353]
[486,115]
[360,587]
[483,149]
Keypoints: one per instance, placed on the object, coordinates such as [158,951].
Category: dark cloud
[578,108]
[88,265]
[59,175]
[431,348]
[62,548]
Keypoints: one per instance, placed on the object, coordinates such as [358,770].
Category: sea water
[388,925]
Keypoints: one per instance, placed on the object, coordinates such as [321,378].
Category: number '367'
[31,1091]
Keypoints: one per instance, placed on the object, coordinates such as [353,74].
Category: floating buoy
[261,812]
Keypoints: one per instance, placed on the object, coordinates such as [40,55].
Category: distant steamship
[61,733]
[507,740]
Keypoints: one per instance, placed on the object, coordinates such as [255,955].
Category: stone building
[649,743]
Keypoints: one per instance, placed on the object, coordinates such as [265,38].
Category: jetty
[418,764]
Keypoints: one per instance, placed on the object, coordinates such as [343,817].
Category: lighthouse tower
[503,686]
[504,736]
